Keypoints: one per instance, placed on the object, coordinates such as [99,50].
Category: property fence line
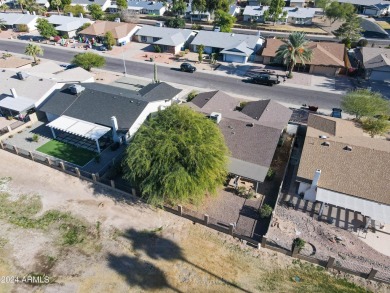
[203,219]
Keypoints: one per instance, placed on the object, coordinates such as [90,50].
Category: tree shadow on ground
[139,273]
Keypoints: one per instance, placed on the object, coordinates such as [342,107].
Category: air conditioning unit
[216,117]
[76,89]
[22,75]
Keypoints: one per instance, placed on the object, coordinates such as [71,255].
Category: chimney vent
[316,178]
[323,136]
[348,148]
[216,117]
[13,92]
[76,89]
[114,124]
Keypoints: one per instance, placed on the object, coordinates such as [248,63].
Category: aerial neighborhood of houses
[268,121]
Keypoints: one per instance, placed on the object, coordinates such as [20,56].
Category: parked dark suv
[265,79]
[187,67]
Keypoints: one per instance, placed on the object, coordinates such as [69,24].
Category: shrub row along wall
[194,216]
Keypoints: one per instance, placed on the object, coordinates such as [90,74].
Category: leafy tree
[33,50]
[66,2]
[32,5]
[224,20]
[176,22]
[199,5]
[121,4]
[83,27]
[200,53]
[376,126]
[75,10]
[177,157]
[96,11]
[57,4]
[214,5]
[351,29]
[294,50]
[265,2]
[365,103]
[89,60]
[4,7]
[179,7]
[275,11]
[323,3]
[336,11]
[45,28]
[265,211]
[109,40]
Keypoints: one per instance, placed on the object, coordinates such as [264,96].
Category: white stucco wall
[303,187]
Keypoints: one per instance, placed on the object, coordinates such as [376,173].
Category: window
[155,39]
[143,39]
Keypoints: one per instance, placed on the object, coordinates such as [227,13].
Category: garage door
[380,75]
[234,58]
[324,70]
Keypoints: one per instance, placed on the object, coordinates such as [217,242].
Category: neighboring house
[122,32]
[43,3]
[207,16]
[370,7]
[15,62]
[295,15]
[142,7]
[251,135]
[68,24]
[53,71]
[296,3]
[376,63]
[169,39]
[14,20]
[104,4]
[20,92]
[328,57]
[94,110]
[238,48]
[342,166]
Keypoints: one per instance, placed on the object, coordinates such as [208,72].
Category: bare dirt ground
[131,247]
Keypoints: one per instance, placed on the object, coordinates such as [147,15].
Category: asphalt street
[232,85]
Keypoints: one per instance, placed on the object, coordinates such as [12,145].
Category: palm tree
[21,3]
[2,24]
[4,7]
[33,50]
[31,5]
[56,4]
[294,50]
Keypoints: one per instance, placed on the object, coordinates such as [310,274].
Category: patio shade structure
[18,105]
[79,127]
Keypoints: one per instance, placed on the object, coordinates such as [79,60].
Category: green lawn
[67,152]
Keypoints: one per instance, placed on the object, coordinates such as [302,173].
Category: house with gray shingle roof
[345,167]
[68,24]
[74,109]
[234,47]
[376,63]
[251,134]
[169,39]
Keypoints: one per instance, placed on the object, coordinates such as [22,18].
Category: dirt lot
[85,239]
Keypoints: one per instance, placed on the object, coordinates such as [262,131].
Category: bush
[157,48]
[191,96]
[281,141]
[298,243]
[197,27]
[241,190]
[35,138]
[22,28]
[186,51]
[270,174]
[265,211]
[362,43]
[251,194]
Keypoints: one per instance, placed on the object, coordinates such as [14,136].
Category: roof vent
[76,89]
[216,117]
[22,75]
[250,125]
[348,148]
[131,101]
[232,35]
[325,143]
[323,136]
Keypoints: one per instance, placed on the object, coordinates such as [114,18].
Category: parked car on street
[187,67]
[265,79]
[336,112]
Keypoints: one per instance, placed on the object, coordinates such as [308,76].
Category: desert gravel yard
[85,238]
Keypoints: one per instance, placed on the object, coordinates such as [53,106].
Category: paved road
[284,94]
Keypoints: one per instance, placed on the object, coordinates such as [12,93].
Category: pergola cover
[79,127]
[374,210]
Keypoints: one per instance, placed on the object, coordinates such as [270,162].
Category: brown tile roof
[100,28]
[362,172]
[248,139]
[14,62]
[324,53]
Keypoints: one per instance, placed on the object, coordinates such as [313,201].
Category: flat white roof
[17,104]
[79,127]
[374,210]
